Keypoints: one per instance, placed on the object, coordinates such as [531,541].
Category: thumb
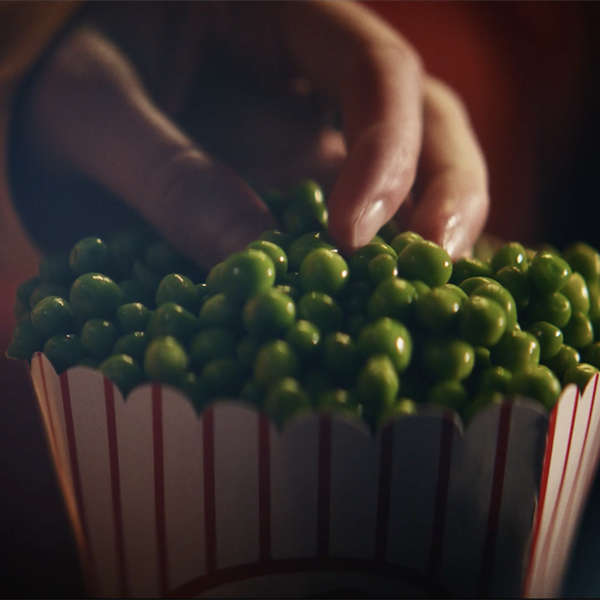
[92,115]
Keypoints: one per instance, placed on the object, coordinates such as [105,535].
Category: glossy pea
[389,337]
[26,341]
[495,379]
[98,337]
[179,289]
[426,261]
[214,279]
[400,241]
[165,360]
[512,254]
[449,393]
[552,308]
[133,344]
[549,337]
[359,263]
[389,231]
[123,371]
[320,309]
[132,316]
[269,314]
[591,355]
[580,375]
[437,311]
[468,286]
[337,401]
[43,290]
[305,339]
[279,238]
[275,360]
[277,255]
[578,332]
[447,358]
[517,282]
[95,295]
[564,359]
[394,298]
[516,351]
[196,389]
[324,271]
[53,315]
[494,291]
[576,292]
[377,386]
[584,259]
[482,321]
[219,311]
[301,246]
[63,351]
[90,255]
[540,383]
[286,400]
[211,344]
[467,267]
[341,357]
[548,272]
[247,273]
[170,319]
[381,268]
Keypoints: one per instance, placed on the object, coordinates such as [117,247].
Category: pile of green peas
[292,326]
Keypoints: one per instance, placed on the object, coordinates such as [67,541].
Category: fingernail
[455,240]
[369,222]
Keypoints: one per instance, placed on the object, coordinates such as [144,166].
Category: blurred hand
[173,107]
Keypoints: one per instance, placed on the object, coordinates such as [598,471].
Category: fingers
[91,114]
[452,199]
[377,79]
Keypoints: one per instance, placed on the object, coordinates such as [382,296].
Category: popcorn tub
[166,503]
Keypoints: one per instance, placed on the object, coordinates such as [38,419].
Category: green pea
[277,255]
[389,337]
[437,311]
[162,258]
[123,370]
[341,357]
[134,291]
[322,310]
[449,393]
[247,273]
[90,255]
[133,316]
[394,298]
[481,400]
[269,314]
[324,271]
[179,289]
[95,295]
[212,344]
[286,400]
[580,375]
[55,268]
[219,311]
[53,315]
[337,401]
[584,259]
[552,308]
[576,292]
[247,350]
[594,294]
[549,272]
[503,297]
[359,263]
[482,321]
[565,358]
[516,351]
[578,332]
[305,338]
[127,246]
[196,389]
[43,290]
[300,247]
[405,407]
[483,359]
[146,276]
[426,261]
[356,297]
[214,279]
[133,344]
[203,295]
[252,393]
[63,351]
[495,379]
[389,231]
[377,386]
[26,288]
[291,291]
[468,286]
[98,337]
[165,360]
[512,254]
[420,286]
[540,383]
[591,354]
[222,378]
[467,267]
[276,237]
[517,283]
[275,360]
[447,358]
[25,343]
[382,268]
[306,211]
[549,337]
[404,239]
[170,319]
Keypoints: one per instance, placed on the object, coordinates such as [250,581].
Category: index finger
[358,60]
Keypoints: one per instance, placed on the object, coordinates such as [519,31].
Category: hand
[172,106]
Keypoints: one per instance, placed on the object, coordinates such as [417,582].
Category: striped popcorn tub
[166,503]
